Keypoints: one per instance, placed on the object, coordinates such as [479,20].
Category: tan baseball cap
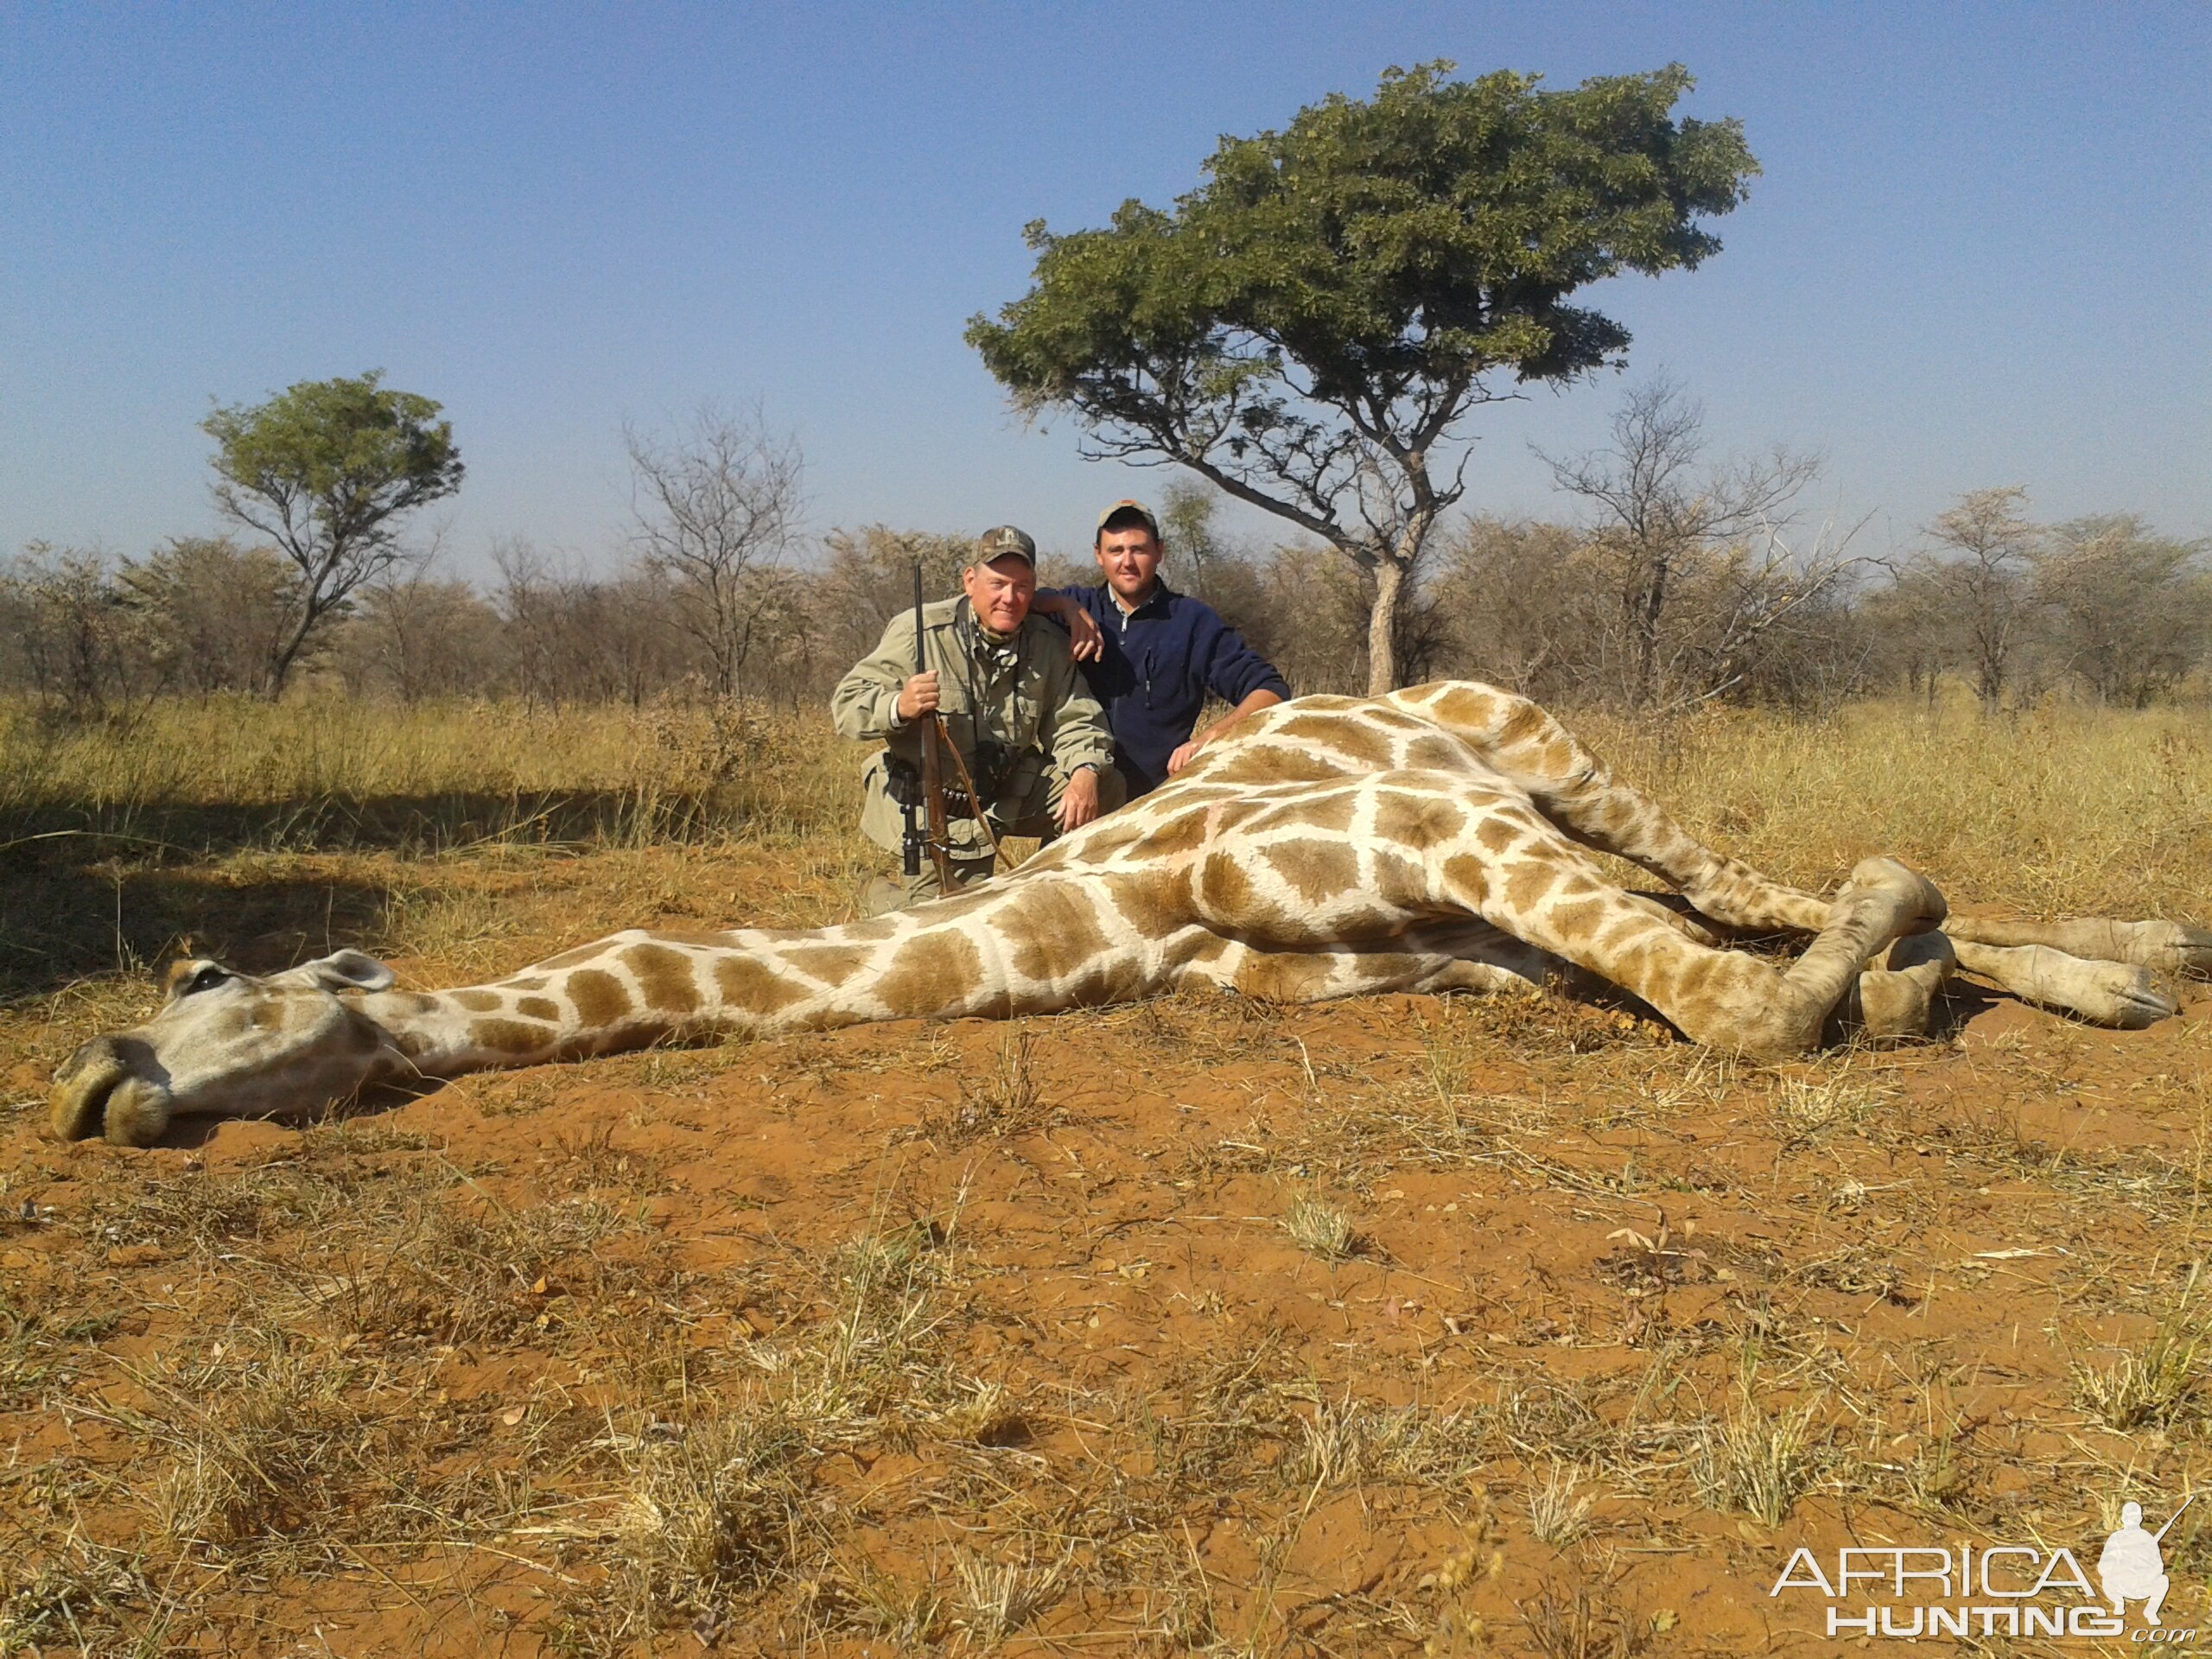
[1005,542]
[1128,509]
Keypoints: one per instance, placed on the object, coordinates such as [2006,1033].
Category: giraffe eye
[206,979]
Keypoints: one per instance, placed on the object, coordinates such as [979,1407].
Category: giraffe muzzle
[97,1092]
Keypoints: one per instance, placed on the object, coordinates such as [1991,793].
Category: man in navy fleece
[1151,655]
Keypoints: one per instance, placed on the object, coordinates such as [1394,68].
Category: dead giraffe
[1432,839]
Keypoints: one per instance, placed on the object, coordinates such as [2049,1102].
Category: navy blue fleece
[1161,662]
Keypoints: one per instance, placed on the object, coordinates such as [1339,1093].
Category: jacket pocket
[1028,713]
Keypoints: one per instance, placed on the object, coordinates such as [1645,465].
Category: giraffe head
[231,1042]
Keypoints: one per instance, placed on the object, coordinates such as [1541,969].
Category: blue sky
[1977,254]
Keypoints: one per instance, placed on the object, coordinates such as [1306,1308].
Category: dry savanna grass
[1412,1325]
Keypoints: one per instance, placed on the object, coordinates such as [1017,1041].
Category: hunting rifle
[933,834]
[2159,1536]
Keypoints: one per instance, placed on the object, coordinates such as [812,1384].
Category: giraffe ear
[343,970]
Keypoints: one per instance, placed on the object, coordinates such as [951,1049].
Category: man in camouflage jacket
[1014,703]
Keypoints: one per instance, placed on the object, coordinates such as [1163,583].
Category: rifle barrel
[2160,1536]
[931,733]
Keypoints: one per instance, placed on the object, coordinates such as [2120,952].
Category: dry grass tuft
[1006,1102]
[1836,1098]
[1583,1621]
[715,1510]
[1557,1515]
[279,1456]
[721,1510]
[84,1598]
[999,1597]
[1322,1229]
[1756,1464]
[2161,1383]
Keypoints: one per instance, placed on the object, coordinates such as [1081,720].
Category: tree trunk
[1382,627]
[1651,606]
[280,666]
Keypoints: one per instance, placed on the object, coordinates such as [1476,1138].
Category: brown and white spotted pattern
[1435,838]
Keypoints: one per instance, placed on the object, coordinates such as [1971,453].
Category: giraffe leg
[1896,998]
[1545,893]
[1575,790]
[2169,946]
[2104,993]
[2097,970]
[1465,957]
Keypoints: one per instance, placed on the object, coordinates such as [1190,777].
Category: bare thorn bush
[1583,1622]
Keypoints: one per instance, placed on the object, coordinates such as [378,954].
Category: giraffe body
[1435,838]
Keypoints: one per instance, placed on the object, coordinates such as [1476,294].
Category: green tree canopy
[327,471]
[1309,328]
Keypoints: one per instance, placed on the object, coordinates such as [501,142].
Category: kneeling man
[1152,656]
[1014,706]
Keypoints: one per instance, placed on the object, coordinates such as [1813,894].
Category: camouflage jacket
[1023,703]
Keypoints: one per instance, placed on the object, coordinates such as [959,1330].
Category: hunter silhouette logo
[2131,1567]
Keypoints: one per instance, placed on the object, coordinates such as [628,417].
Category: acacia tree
[327,471]
[1310,327]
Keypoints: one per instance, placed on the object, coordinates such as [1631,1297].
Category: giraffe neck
[1021,945]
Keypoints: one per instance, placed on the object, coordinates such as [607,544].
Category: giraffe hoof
[2173,948]
[1892,1005]
[2122,995]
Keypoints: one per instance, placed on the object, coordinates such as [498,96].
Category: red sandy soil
[1580,1242]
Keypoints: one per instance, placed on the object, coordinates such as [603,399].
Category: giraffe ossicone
[1438,838]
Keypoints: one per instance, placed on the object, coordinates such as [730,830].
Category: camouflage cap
[1005,542]
[1127,509]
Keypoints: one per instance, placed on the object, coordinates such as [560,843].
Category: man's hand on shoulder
[1184,755]
[1086,642]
